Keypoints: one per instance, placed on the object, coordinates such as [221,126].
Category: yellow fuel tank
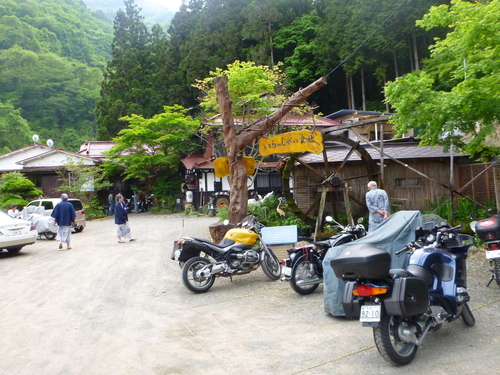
[243,236]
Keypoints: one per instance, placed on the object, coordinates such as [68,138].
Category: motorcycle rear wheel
[467,316]
[191,281]
[388,343]
[302,271]
[496,270]
[271,266]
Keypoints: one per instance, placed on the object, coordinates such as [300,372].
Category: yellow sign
[221,166]
[292,142]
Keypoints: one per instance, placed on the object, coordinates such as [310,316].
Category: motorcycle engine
[244,260]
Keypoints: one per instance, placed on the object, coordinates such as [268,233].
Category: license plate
[15,232]
[287,271]
[370,313]
[177,254]
[492,254]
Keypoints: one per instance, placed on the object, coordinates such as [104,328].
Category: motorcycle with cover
[304,266]
[241,251]
[403,305]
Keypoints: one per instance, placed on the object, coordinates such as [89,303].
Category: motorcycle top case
[243,236]
[362,261]
[489,229]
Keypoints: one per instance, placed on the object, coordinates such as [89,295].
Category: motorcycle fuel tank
[243,236]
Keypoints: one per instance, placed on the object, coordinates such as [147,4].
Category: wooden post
[319,220]
[347,201]
[497,192]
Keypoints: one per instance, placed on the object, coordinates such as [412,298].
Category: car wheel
[79,229]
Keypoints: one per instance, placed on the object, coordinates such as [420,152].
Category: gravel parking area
[110,308]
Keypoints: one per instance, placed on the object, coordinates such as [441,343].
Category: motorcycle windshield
[430,221]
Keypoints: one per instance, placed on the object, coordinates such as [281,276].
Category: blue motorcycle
[403,305]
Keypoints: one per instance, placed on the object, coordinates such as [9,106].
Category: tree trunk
[236,143]
[363,94]
[415,52]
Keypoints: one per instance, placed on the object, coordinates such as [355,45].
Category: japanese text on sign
[292,142]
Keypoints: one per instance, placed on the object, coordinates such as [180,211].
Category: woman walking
[121,219]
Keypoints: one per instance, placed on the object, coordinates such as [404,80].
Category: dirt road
[110,308]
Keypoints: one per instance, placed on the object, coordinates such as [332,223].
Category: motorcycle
[488,231]
[241,251]
[403,305]
[304,266]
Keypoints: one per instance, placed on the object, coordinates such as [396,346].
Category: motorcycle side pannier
[409,297]
[361,261]
[489,229]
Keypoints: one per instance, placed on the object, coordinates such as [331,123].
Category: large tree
[151,148]
[14,130]
[247,90]
[458,91]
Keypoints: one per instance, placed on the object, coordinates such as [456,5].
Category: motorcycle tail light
[493,246]
[367,290]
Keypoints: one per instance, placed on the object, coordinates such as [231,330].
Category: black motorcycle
[241,251]
[304,266]
[488,230]
[403,305]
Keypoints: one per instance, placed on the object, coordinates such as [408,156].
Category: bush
[94,209]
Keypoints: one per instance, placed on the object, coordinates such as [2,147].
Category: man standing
[111,201]
[377,202]
[121,219]
[64,215]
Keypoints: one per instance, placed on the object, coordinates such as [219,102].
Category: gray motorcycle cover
[391,236]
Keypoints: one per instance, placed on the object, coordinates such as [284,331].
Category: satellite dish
[50,142]
[35,138]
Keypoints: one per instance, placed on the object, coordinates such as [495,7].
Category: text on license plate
[370,313]
[287,271]
[492,254]
[15,232]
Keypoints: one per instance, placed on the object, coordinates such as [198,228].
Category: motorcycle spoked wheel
[302,271]
[467,316]
[271,266]
[194,283]
[388,343]
[50,235]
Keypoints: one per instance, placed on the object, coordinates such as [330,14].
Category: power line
[367,39]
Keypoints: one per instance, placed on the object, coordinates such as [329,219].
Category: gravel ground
[110,308]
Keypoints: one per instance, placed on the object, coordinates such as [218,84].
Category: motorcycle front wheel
[271,266]
[467,316]
[302,272]
[389,344]
[193,282]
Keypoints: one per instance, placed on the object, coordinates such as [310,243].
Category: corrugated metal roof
[397,151]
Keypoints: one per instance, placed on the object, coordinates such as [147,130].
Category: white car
[15,233]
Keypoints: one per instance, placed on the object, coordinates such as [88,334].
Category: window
[387,136]
[48,205]
[408,182]
[268,180]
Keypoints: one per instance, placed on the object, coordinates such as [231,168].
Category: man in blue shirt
[377,202]
[64,216]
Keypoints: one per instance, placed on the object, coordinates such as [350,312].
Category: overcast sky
[170,4]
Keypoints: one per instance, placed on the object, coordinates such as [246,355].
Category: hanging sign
[221,166]
[292,142]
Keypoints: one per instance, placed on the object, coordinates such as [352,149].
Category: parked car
[50,203]
[15,233]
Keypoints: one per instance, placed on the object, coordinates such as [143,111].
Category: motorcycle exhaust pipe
[317,280]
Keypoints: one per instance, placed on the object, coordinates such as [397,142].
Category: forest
[70,73]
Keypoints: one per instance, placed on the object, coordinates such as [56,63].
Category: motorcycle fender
[409,297]
[350,302]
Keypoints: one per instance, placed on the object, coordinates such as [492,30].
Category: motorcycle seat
[224,243]
[414,271]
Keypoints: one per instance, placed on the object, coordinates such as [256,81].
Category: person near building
[377,203]
[136,202]
[112,203]
[121,219]
[64,216]
[14,212]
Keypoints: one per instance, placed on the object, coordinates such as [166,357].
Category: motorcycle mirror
[225,222]
[329,219]
[473,226]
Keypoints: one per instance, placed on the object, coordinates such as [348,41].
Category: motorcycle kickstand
[491,279]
